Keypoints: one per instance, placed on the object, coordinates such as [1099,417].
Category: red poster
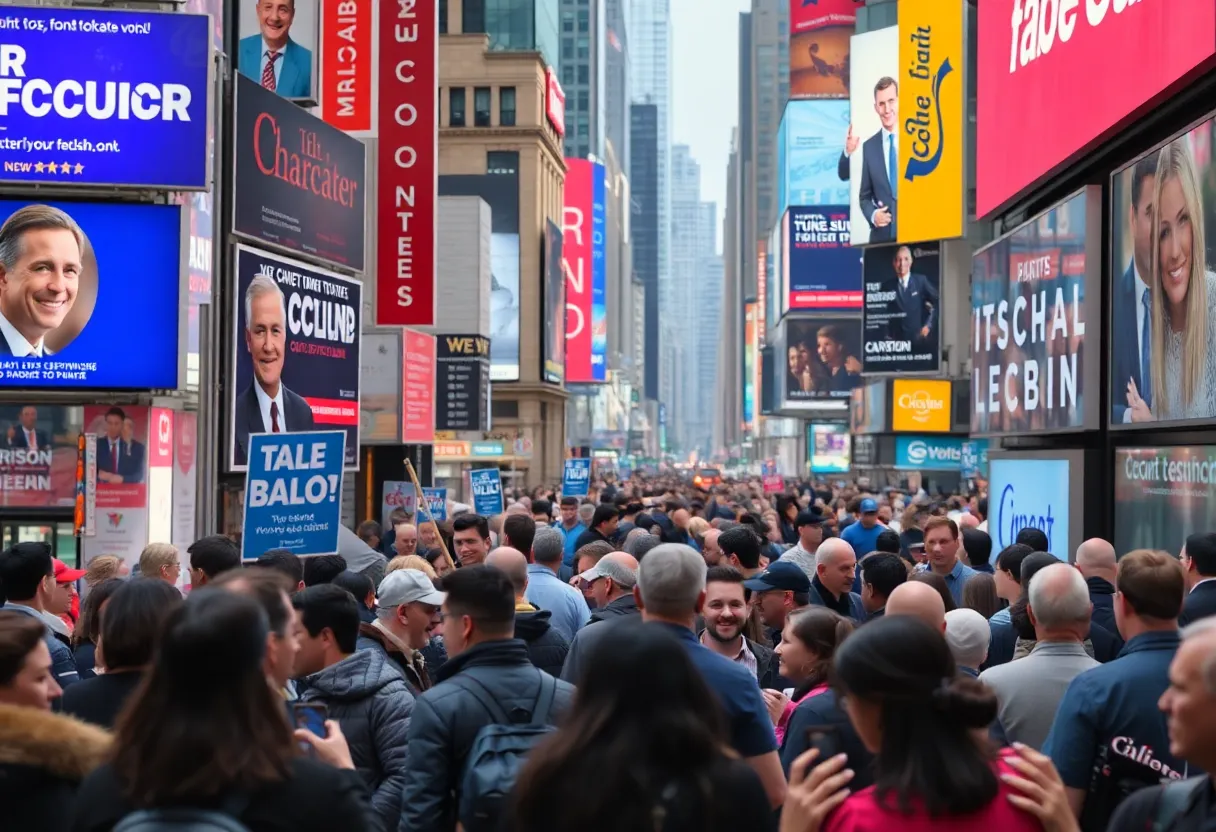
[160,439]
[347,69]
[808,15]
[577,267]
[122,454]
[407,164]
[417,388]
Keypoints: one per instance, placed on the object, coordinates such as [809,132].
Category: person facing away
[547,647]
[548,592]
[881,572]
[27,578]
[1097,564]
[364,692]
[1199,561]
[210,557]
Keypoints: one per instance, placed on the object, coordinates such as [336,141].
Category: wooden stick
[422,504]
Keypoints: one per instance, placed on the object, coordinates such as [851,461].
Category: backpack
[1173,801]
[187,819]
[498,753]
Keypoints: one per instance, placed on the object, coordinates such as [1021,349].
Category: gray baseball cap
[408,586]
[624,577]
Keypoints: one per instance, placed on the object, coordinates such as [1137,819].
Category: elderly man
[1098,565]
[918,600]
[405,539]
[548,592]
[835,568]
[610,583]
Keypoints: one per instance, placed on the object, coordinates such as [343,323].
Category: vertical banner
[122,486]
[599,274]
[486,485]
[293,493]
[348,65]
[185,482]
[749,365]
[418,388]
[873,144]
[576,477]
[407,164]
[554,306]
[577,266]
[160,475]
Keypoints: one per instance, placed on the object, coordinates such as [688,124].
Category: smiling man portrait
[41,254]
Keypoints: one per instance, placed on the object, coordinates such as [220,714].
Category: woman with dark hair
[130,628]
[979,594]
[43,756]
[644,747]
[787,511]
[808,644]
[88,628]
[939,585]
[207,732]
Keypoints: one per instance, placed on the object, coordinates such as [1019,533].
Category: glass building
[515,25]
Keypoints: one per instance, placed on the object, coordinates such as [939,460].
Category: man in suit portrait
[913,313]
[133,450]
[266,406]
[880,165]
[114,464]
[41,256]
[271,57]
[27,434]
[1198,558]
[1131,303]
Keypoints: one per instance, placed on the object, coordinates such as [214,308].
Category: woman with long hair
[979,594]
[207,731]
[88,629]
[808,644]
[787,513]
[644,747]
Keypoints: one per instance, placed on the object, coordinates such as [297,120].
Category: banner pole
[422,505]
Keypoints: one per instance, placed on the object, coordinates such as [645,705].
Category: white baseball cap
[408,586]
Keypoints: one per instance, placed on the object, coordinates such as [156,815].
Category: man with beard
[726,613]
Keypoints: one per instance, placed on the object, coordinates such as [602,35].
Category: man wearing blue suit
[115,464]
[272,58]
[1132,302]
[880,165]
[913,313]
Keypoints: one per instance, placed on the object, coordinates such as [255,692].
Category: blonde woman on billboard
[1182,361]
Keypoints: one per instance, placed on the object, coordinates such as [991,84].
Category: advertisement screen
[554,307]
[417,387]
[822,358]
[1163,208]
[811,166]
[38,455]
[501,193]
[749,365]
[829,448]
[137,83]
[278,47]
[1162,495]
[868,408]
[819,47]
[1022,59]
[901,320]
[73,334]
[586,271]
[380,388]
[122,488]
[928,453]
[920,405]
[822,271]
[873,137]
[287,309]
[462,382]
[1030,493]
[298,184]
[1034,298]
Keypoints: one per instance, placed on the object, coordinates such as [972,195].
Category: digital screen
[829,447]
[1162,495]
[1029,493]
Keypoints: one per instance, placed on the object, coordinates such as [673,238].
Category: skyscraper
[584,40]
[644,176]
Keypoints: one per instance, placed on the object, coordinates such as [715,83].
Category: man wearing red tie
[114,464]
[271,57]
[266,406]
[27,434]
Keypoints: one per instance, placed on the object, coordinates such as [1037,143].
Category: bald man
[835,569]
[1097,564]
[547,647]
[918,600]
[968,521]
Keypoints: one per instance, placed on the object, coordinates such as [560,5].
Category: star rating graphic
[66,168]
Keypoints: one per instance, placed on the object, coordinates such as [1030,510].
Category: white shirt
[278,65]
[903,282]
[264,406]
[31,439]
[1141,334]
[17,343]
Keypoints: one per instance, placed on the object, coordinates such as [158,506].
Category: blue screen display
[117,327]
[91,97]
[1029,492]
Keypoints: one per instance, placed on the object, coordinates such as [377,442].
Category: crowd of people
[651,656]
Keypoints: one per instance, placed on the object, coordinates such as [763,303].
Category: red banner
[347,69]
[160,438]
[577,267]
[407,166]
[417,388]
[808,15]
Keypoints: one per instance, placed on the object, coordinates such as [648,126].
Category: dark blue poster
[295,352]
[105,313]
[822,271]
[93,97]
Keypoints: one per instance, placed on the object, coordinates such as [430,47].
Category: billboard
[553,314]
[501,192]
[122,488]
[829,448]
[901,318]
[920,405]
[873,140]
[928,453]
[38,455]
[822,358]
[585,267]
[1033,493]
[348,65]
[380,398]
[407,163]
[1035,297]
[750,358]
[288,309]
[278,47]
[293,493]
[820,269]
[1163,223]
[1021,59]
[136,84]
[59,329]
[1162,495]
[301,182]
[417,387]
[819,47]
[868,408]
[811,166]
[462,383]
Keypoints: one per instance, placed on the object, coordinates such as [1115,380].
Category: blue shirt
[751,729]
[862,540]
[571,536]
[547,591]
[957,578]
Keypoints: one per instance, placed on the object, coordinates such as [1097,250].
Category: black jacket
[98,700]
[589,536]
[1200,603]
[625,605]
[1102,596]
[447,718]
[824,709]
[43,759]
[416,672]
[547,647]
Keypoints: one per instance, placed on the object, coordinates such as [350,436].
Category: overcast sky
[705,87]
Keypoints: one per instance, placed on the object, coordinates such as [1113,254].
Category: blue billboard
[929,453]
[810,149]
[486,485]
[293,493]
[599,274]
[975,458]
[822,271]
[107,316]
[99,97]
[576,477]
[1029,493]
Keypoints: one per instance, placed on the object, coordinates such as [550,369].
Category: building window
[583,104]
[473,16]
[567,49]
[584,48]
[584,74]
[506,106]
[584,20]
[504,409]
[443,17]
[567,76]
[456,116]
[502,162]
[481,106]
[567,22]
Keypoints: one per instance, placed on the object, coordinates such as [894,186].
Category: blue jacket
[1125,351]
[295,76]
[571,537]
[63,665]
[857,612]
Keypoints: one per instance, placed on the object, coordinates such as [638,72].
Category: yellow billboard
[920,406]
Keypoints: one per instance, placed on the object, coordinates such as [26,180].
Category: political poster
[397,494]
[436,504]
[293,493]
[576,478]
[486,485]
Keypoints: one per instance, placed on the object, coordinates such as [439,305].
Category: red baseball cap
[65,574]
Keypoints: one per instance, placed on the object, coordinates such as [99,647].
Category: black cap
[781,575]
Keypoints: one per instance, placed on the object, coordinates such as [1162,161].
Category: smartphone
[826,739]
[311,716]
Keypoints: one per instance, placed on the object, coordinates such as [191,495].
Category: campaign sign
[436,504]
[293,493]
[576,478]
[93,97]
[486,484]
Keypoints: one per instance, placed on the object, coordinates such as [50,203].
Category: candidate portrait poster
[279,44]
[122,481]
[873,143]
[822,358]
[902,316]
[38,455]
[295,352]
